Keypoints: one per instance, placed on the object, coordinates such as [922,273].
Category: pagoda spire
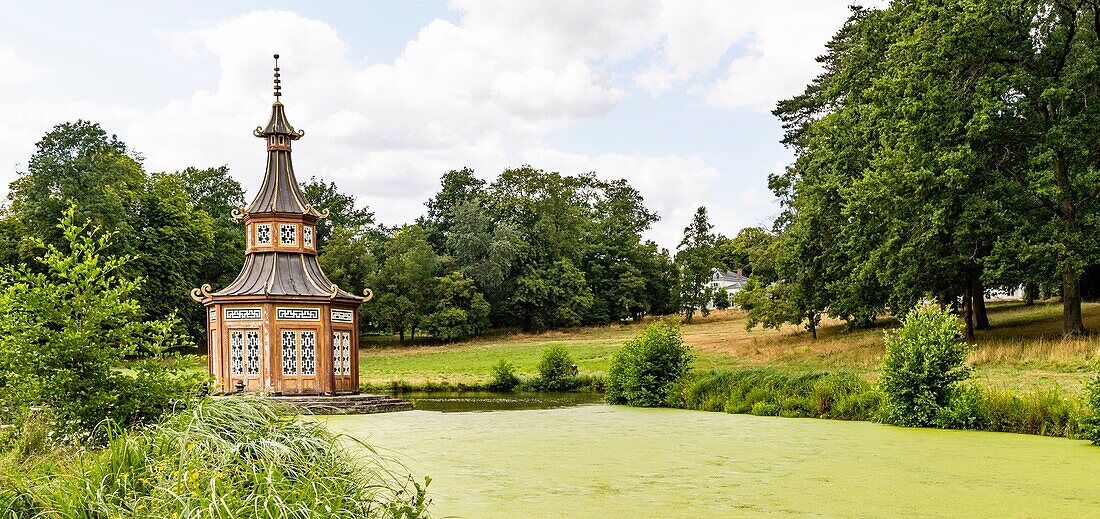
[279,192]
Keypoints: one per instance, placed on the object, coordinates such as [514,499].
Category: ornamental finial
[277,87]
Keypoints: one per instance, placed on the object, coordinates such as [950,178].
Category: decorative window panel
[252,345]
[242,314]
[263,234]
[307,235]
[288,234]
[309,353]
[345,351]
[236,353]
[341,316]
[213,315]
[341,353]
[298,314]
[290,353]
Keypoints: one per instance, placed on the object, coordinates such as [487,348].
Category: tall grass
[841,395]
[225,458]
[846,396]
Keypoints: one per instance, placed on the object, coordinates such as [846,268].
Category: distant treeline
[531,249]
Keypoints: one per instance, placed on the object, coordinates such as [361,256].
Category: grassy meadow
[1023,352]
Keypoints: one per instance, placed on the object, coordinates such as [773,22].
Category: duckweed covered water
[601,461]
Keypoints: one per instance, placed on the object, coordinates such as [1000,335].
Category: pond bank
[624,462]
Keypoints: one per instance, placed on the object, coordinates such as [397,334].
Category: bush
[924,362]
[647,369]
[67,324]
[227,458]
[504,377]
[1090,425]
[557,371]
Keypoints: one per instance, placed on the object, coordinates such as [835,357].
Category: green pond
[602,461]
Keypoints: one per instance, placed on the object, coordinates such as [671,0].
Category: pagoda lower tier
[281,345]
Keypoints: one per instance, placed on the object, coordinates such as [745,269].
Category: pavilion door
[341,360]
[298,349]
[245,360]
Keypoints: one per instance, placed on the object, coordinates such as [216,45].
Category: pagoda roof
[283,274]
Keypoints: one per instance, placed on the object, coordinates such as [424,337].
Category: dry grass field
[1023,351]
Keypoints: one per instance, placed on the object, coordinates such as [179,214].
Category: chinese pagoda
[281,327]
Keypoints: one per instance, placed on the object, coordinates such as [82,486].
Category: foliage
[648,368]
[944,148]
[1090,424]
[923,364]
[409,267]
[770,392]
[65,329]
[556,370]
[460,312]
[341,208]
[225,458]
[696,262]
[504,377]
[721,299]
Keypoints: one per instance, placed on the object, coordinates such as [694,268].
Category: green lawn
[1023,351]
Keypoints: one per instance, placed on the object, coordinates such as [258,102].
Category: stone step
[341,404]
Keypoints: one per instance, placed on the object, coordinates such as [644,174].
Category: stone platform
[362,403]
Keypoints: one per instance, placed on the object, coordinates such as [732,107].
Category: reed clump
[225,458]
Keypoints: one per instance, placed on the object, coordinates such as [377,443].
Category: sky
[674,96]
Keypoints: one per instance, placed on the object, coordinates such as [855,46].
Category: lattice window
[290,353]
[252,344]
[263,234]
[346,351]
[337,356]
[307,235]
[309,353]
[288,234]
[213,315]
[236,353]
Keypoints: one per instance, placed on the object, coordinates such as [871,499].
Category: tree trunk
[1072,324]
[968,311]
[981,318]
[1071,279]
[813,326]
[1030,291]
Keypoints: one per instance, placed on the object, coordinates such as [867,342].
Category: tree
[403,282]
[458,187]
[78,163]
[613,252]
[340,206]
[721,299]
[748,252]
[696,261]
[460,310]
[216,193]
[174,247]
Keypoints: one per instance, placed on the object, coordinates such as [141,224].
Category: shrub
[504,377]
[1090,425]
[67,324]
[227,458]
[647,369]
[557,371]
[923,364]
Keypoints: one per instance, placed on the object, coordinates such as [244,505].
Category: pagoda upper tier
[279,192]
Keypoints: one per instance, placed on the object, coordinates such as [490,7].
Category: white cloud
[15,69]
[483,92]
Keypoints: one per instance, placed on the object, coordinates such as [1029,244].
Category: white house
[731,282]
